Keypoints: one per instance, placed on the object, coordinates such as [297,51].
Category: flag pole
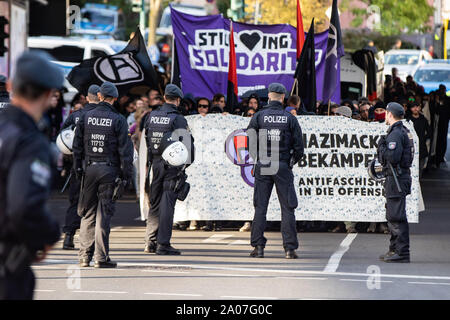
[329,104]
[295,86]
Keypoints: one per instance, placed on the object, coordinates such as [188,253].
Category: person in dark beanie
[423,132]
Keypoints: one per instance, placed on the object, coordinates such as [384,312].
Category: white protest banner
[331,181]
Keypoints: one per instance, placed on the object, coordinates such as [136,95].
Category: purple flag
[335,50]
[264,54]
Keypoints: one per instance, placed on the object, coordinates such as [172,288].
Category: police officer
[102,143]
[27,229]
[163,197]
[276,157]
[4,94]
[396,154]
[72,219]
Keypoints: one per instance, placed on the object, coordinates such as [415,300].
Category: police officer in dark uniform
[283,150]
[72,220]
[4,94]
[163,197]
[396,154]
[27,229]
[102,144]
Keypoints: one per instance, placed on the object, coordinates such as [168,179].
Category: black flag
[176,76]
[305,73]
[130,70]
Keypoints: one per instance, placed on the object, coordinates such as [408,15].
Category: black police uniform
[25,223]
[72,219]
[162,196]
[284,127]
[102,142]
[4,99]
[398,150]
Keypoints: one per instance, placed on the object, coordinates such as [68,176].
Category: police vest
[408,151]
[100,140]
[158,123]
[274,125]
[9,140]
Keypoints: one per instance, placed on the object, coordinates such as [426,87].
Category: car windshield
[118,47]
[166,21]
[431,75]
[410,59]
[96,17]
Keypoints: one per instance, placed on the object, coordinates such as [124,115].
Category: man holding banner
[279,147]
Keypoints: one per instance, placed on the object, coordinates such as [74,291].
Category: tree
[397,16]
[285,11]
[155,9]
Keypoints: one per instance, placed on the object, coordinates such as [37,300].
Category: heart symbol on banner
[250,40]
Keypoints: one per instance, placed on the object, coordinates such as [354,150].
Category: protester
[219,101]
[423,132]
[203,105]
[253,102]
[442,109]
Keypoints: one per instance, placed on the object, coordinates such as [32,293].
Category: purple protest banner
[264,54]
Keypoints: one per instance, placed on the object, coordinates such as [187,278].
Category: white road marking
[431,283]
[174,294]
[232,275]
[239,243]
[46,267]
[42,290]
[358,280]
[245,297]
[302,278]
[216,238]
[282,271]
[93,291]
[335,259]
[163,271]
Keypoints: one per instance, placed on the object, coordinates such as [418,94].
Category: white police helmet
[375,170]
[176,154]
[64,141]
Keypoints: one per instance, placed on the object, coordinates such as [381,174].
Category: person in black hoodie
[423,131]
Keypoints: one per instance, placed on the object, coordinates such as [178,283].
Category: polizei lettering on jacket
[103,122]
[160,120]
[275,119]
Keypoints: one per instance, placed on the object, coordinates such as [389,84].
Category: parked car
[432,74]
[101,20]
[406,61]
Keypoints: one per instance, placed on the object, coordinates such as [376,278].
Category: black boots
[167,250]
[290,254]
[105,264]
[151,247]
[68,242]
[258,252]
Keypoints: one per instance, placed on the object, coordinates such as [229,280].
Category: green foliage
[398,16]
[357,39]
[223,6]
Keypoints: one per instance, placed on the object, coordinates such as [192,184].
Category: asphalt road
[216,265]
